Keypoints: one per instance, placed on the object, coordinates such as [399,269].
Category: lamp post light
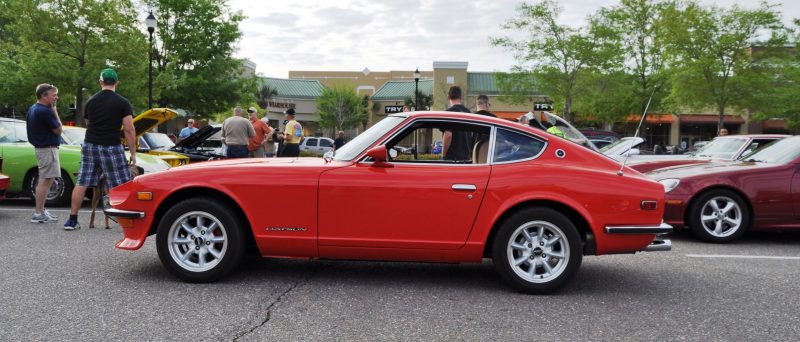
[416,89]
[151,27]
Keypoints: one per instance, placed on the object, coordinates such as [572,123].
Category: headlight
[670,183]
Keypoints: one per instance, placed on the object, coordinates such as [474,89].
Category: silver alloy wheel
[197,241]
[538,251]
[56,188]
[721,216]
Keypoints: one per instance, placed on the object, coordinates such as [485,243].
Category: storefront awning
[653,118]
[774,124]
[710,119]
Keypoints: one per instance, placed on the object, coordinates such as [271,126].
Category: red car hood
[256,161]
[718,167]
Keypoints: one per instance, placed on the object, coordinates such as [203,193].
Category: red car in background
[719,201]
[730,147]
[533,202]
[4,180]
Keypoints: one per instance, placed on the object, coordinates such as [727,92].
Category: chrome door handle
[464,187]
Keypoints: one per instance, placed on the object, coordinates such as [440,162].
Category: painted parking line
[53,210]
[724,256]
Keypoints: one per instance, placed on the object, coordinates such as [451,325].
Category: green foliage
[264,94]
[340,108]
[425,101]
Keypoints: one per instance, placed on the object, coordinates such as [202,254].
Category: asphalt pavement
[74,285]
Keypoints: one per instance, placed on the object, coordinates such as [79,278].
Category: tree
[340,108]
[712,47]
[425,101]
[264,94]
[552,55]
[194,42]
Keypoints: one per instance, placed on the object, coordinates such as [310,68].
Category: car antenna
[635,135]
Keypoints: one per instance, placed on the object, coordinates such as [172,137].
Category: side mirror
[379,156]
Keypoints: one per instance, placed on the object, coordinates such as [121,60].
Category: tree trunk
[721,118]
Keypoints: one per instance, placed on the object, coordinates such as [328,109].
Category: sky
[385,35]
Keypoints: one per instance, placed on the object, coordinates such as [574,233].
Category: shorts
[237,151]
[291,150]
[257,153]
[109,161]
[48,162]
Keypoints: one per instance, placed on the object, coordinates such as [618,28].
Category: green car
[19,161]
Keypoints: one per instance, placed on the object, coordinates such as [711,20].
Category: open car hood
[152,118]
[193,141]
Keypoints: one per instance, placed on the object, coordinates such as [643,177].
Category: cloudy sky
[384,35]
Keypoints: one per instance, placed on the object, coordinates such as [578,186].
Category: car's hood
[717,167]
[194,140]
[152,118]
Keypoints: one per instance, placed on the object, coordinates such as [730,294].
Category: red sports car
[3,184]
[533,202]
[719,201]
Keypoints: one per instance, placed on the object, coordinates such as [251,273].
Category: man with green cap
[101,152]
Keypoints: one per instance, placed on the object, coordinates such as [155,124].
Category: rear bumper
[663,228]
[659,246]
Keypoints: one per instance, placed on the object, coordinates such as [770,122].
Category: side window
[510,146]
[417,143]
[325,143]
[311,142]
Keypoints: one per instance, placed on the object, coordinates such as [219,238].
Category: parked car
[720,200]
[19,161]
[149,120]
[202,145]
[4,181]
[532,201]
[729,147]
[598,134]
[600,143]
[316,145]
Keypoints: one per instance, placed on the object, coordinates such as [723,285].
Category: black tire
[225,238]
[60,193]
[569,247]
[719,225]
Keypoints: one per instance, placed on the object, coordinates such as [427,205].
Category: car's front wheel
[60,192]
[719,216]
[199,240]
[537,250]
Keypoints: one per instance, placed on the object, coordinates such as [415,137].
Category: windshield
[621,146]
[778,152]
[354,147]
[158,141]
[724,148]
[12,131]
[73,136]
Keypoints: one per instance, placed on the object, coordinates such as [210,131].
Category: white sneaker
[42,218]
[48,213]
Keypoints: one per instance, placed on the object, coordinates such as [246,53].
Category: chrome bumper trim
[123,213]
[659,246]
[664,228]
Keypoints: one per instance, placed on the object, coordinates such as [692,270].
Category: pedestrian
[723,132]
[456,145]
[293,134]
[270,142]
[188,130]
[483,106]
[255,145]
[236,133]
[339,141]
[44,132]
[101,152]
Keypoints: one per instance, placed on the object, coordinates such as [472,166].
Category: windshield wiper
[751,160]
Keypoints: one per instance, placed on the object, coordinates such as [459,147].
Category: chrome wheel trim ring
[721,216]
[538,251]
[197,241]
[56,188]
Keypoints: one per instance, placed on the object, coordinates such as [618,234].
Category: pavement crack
[302,281]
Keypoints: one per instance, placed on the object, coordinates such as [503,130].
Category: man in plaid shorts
[102,152]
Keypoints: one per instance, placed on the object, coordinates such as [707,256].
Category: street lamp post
[151,27]
[416,89]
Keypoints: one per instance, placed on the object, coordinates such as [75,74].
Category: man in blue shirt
[44,133]
[188,130]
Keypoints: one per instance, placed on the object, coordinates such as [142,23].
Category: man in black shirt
[339,141]
[102,152]
[456,144]
[483,106]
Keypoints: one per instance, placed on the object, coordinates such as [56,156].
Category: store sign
[542,106]
[274,104]
[393,109]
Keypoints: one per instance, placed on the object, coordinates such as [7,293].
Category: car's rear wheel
[199,240]
[719,216]
[60,192]
[537,250]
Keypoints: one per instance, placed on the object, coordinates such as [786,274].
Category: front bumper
[656,245]
[129,214]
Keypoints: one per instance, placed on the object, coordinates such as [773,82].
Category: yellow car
[150,119]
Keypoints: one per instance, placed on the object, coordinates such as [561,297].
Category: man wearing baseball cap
[293,134]
[101,152]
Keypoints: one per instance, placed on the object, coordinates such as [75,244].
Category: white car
[316,145]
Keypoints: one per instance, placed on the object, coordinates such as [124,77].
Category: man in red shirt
[255,146]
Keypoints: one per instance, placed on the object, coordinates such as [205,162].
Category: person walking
[293,134]
[483,106]
[44,131]
[236,133]
[255,145]
[188,130]
[456,144]
[101,152]
[339,141]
